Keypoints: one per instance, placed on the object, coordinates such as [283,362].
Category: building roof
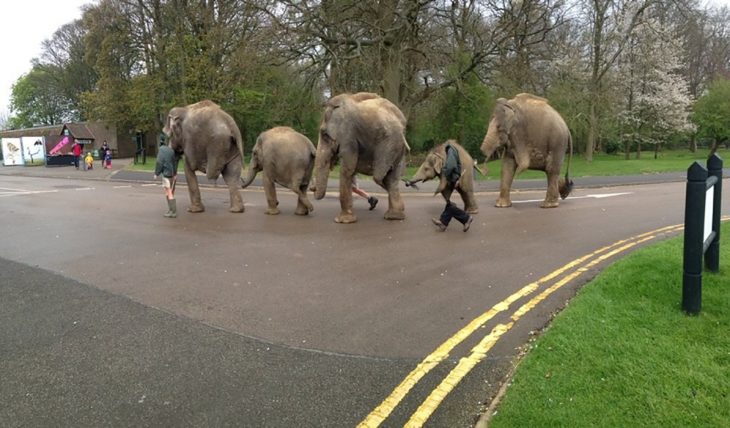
[43,131]
[78,130]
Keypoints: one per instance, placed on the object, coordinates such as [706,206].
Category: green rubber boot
[173,209]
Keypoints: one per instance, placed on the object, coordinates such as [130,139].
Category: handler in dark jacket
[452,171]
[167,166]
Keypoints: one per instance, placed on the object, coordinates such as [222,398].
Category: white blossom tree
[656,100]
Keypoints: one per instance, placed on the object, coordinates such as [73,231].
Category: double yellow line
[479,352]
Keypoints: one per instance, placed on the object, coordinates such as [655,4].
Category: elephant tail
[565,185]
[255,165]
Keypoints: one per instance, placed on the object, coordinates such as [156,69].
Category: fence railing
[702,213]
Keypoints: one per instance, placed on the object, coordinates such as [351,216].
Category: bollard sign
[701,229]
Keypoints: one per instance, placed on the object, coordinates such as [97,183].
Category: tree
[612,23]
[36,99]
[405,50]
[712,111]
[657,101]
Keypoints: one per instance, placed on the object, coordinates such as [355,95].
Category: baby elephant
[431,168]
[287,158]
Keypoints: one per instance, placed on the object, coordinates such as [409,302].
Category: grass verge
[624,354]
[602,165]
[616,164]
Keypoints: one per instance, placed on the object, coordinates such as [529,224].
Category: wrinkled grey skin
[211,143]
[536,137]
[366,134]
[432,166]
[287,158]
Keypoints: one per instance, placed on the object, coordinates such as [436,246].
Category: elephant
[287,158]
[535,137]
[212,144]
[366,134]
[431,168]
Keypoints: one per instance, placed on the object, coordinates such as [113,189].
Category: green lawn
[623,354]
[668,161]
[603,164]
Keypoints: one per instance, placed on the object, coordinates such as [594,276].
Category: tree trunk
[593,124]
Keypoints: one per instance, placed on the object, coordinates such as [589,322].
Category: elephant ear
[504,114]
[438,162]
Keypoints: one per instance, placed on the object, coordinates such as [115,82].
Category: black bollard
[693,238]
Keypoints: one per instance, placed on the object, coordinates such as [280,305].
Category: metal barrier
[701,229]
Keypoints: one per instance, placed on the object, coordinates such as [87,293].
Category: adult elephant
[434,163]
[535,137]
[366,134]
[212,144]
[287,158]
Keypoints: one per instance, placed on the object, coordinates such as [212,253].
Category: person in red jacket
[76,150]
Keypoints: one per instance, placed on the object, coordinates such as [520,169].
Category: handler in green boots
[167,166]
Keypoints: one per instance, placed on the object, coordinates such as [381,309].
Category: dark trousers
[452,211]
[76,161]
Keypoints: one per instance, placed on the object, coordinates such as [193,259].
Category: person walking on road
[453,172]
[167,166]
[372,200]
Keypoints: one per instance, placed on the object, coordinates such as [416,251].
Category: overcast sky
[26,23]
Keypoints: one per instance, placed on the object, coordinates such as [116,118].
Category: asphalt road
[115,316]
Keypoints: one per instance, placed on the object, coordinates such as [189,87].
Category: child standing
[108,159]
[89,161]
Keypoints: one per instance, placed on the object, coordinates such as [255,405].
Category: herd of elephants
[365,133]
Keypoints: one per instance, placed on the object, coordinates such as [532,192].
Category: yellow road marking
[379,414]
[479,352]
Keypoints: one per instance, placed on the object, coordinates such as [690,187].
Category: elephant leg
[552,197]
[270,191]
[196,206]
[232,177]
[470,202]
[304,207]
[346,215]
[396,207]
[509,165]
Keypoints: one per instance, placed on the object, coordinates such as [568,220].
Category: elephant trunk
[253,169]
[249,179]
[420,175]
[491,141]
[320,180]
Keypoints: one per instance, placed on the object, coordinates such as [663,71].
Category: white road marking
[597,196]
[20,193]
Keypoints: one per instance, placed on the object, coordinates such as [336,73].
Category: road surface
[115,315]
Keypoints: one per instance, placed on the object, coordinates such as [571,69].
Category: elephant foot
[552,204]
[472,211]
[236,210]
[303,210]
[394,215]
[501,203]
[272,211]
[346,218]
[196,209]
